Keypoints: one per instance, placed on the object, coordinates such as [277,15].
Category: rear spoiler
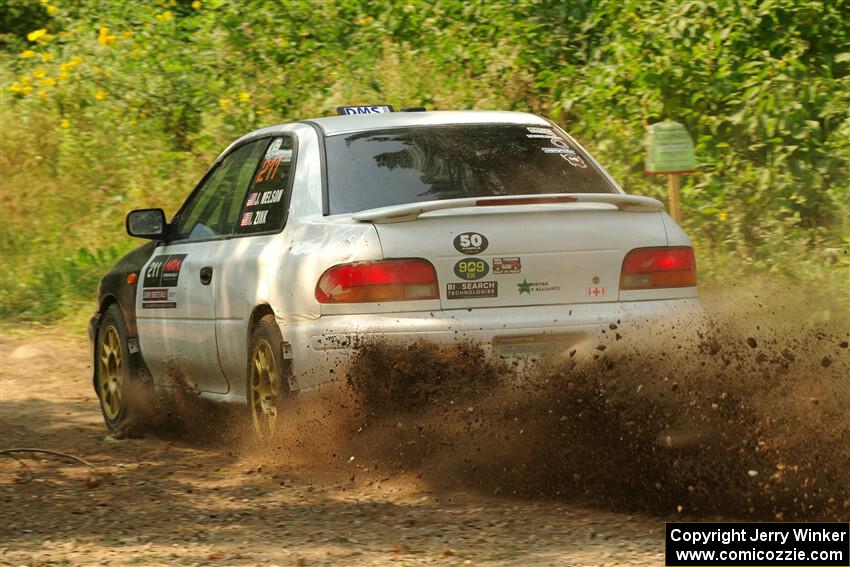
[412,211]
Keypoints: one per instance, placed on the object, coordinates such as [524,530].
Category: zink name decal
[471,269]
[465,290]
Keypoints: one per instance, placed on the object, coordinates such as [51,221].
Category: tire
[266,378]
[120,392]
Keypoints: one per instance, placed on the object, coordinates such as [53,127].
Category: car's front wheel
[266,384]
[113,373]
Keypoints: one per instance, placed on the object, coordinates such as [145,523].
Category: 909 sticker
[471,269]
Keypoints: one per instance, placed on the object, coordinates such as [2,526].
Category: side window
[264,208]
[214,208]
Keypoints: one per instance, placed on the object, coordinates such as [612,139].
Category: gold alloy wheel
[265,382]
[110,375]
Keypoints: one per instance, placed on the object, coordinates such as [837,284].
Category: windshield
[408,165]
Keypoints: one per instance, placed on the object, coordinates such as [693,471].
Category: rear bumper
[322,348]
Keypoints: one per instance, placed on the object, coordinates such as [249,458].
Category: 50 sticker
[470,243]
[471,269]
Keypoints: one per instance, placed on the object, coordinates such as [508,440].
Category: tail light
[648,268]
[384,280]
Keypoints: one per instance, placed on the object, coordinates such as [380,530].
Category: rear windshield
[407,165]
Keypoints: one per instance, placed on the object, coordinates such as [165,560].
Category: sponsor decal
[596,291]
[252,199]
[564,151]
[575,161]
[159,286]
[274,147]
[471,269]
[246,219]
[509,265]
[547,131]
[163,271]
[470,243]
[159,298]
[375,109]
[465,290]
[536,287]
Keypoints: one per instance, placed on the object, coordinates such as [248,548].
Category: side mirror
[146,223]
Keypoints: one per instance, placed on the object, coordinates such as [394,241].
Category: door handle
[206,275]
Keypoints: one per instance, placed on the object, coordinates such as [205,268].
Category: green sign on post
[670,151]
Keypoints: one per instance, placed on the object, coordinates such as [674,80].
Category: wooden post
[674,202]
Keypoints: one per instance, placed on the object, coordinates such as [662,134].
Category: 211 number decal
[268,170]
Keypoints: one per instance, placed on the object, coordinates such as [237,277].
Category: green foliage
[109,106]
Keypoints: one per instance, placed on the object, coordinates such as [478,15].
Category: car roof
[346,124]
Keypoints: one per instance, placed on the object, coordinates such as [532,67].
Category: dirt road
[178,500]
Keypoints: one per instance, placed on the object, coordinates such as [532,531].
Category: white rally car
[306,239]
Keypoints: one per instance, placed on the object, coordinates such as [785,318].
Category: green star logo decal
[524,287]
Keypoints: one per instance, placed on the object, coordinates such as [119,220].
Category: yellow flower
[104,37]
[42,93]
[71,64]
[196,4]
[165,16]
[100,95]
[127,34]
[16,87]
[47,82]
[26,89]
[25,80]
[28,53]
[46,57]
[63,76]
[244,97]
[722,215]
[52,9]
[44,1]
[224,102]
[37,34]
[65,123]
[39,73]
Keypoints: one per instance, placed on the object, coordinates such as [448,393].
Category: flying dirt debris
[730,412]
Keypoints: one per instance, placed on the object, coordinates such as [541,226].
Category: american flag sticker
[246,218]
[252,199]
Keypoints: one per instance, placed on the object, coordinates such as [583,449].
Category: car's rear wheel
[266,385]
[113,373]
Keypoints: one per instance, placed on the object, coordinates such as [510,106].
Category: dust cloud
[742,410]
